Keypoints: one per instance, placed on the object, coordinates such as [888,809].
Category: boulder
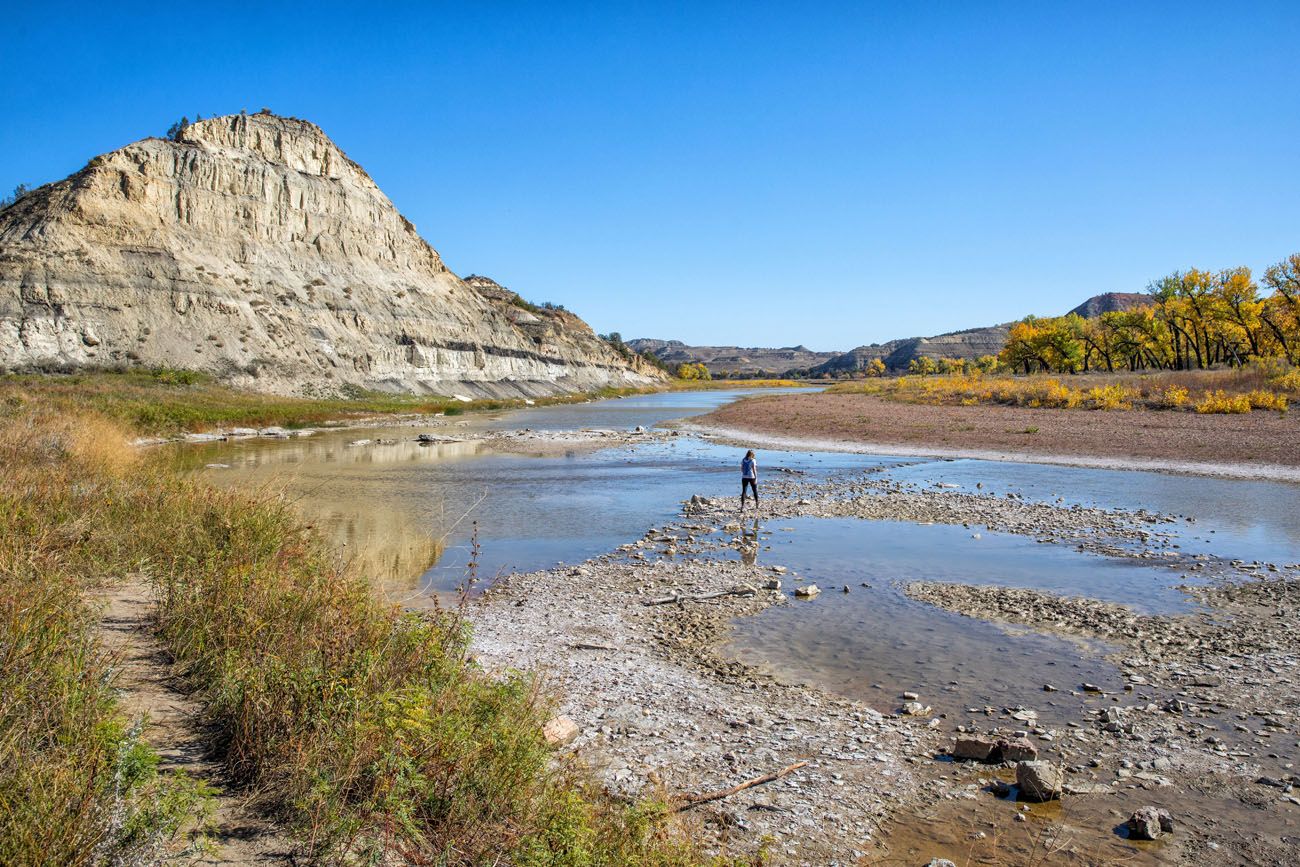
[915,708]
[1149,823]
[807,591]
[559,731]
[1016,750]
[1039,781]
[974,749]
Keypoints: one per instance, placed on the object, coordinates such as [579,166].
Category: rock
[772,584]
[940,862]
[559,731]
[974,749]
[1149,823]
[251,246]
[807,591]
[915,708]
[242,432]
[1016,750]
[1039,781]
[1091,687]
[910,696]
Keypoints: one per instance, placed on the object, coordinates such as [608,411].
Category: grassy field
[165,402]
[1234,390]
[365,729]
[729,384]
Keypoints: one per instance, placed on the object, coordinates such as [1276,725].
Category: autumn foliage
[1196,320]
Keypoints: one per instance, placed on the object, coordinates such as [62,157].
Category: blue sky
[741,173]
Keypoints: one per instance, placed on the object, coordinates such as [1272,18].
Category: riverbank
[168,404]
[1254,445]
[346,728]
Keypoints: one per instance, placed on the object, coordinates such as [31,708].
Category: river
[387,500]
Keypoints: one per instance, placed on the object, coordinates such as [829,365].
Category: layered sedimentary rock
[253,248]
[748,361]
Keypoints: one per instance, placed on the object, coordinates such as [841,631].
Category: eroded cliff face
[255,249]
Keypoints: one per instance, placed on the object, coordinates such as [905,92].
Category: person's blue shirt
[748,470]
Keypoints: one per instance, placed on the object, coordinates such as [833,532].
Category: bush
[1174,397]
[1261,399]
[1221,402]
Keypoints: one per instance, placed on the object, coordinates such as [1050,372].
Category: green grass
[166,402]
[367,730]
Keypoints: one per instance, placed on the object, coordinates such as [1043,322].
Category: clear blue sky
[733,172]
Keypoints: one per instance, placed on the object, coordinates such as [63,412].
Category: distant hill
[969,343]
[1111,302]
[897,354]
[718,359]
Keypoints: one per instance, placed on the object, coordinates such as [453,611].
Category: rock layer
[253,248]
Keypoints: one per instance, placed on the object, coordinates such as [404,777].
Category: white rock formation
[253,248]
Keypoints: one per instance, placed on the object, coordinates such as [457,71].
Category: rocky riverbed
[1201,722]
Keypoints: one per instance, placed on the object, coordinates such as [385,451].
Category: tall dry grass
[366,729]
[77,785]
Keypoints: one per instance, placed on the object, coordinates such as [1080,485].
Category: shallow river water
[388,503]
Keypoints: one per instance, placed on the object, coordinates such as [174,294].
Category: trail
[148,689]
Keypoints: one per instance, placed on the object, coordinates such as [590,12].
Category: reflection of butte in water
[379,543]
[335,449]
[382,543]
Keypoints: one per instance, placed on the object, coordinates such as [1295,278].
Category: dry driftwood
[743,590]
[688,801]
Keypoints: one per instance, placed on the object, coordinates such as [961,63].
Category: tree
[876,367]
[922,366]
[19,191]
[176,130]
[695,371]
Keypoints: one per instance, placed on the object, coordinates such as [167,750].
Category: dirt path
[173,729]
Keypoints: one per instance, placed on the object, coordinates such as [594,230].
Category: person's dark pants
[748,485]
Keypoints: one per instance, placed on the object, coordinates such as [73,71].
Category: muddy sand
[1255,445]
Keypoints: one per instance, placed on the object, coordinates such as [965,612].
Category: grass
[166,402]
[1213,391]
[728,384]
[368,730]
[77,785]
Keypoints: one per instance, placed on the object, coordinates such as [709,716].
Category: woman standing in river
[748,479]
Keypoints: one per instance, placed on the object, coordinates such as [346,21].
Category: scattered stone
[1039,781]
[1150,823]
[974,749]
[1016,750]
[560,730]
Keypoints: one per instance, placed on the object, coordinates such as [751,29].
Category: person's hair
[749,454]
